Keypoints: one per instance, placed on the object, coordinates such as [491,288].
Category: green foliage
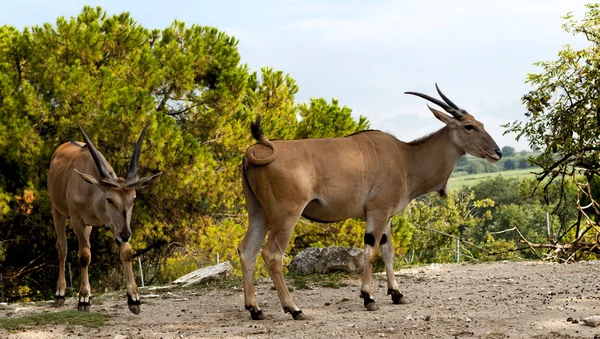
[475,168]
[274,98]
[564,111]
[517,207]
[509,165]
[508,151]
[523,164]
[113,75]
[490,168]
[323,120]
[434,218]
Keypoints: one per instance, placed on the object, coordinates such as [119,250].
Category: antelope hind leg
[273,256]
[61,246]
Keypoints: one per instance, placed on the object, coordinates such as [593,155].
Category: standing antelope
[84,189]
[367,174]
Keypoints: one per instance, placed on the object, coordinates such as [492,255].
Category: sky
[366,54]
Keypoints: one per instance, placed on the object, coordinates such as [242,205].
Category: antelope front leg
[133,297]
[373,234]
[85,257]
[387,251]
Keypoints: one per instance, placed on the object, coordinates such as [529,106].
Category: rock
[592,321]
[327,260]
[215,272]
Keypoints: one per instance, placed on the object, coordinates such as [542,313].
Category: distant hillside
[471,170]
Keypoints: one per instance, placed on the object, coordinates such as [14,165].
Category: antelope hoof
[369,302]
[255,313]
[398,298]
[298,315]
[84,306]
[135,309]
[372,306]
[134,306]
[59,300]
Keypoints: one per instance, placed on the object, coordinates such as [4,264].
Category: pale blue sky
[367,53]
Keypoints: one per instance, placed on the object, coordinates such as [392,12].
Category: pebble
[592,321]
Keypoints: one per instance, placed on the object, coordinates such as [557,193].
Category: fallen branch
[528,243]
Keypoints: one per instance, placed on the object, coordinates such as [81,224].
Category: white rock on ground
[327,260]
[215,272]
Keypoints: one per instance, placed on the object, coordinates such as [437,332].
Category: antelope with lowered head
[369,174]
[84,189]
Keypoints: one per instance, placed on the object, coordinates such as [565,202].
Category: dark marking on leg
[133,305]
[84,306]
[397,297]
[369,239]
[369,302]
[297,315]
[255,314]
[383,239]
[84,261]
[59,300]
[130,300]
[367,298]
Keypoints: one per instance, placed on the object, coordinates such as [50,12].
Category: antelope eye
[110,201]
[469,127]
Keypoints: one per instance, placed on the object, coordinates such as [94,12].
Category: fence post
[1,288]
[457,250]
[217,258]
[141,270]
[548,227]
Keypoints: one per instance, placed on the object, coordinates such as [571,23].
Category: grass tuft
[70,317]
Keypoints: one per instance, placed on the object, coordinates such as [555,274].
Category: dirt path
[488,300]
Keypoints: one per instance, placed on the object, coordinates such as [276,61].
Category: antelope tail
[257,133]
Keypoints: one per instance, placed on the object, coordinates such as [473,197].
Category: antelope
[368,174]
[85,190]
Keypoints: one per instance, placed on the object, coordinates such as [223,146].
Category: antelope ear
[89,179]
[93,181]
[441,116]
[145,181]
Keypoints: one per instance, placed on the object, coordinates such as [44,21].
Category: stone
[327,260]
[592,321]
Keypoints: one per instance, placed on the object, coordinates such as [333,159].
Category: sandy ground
[487,300]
